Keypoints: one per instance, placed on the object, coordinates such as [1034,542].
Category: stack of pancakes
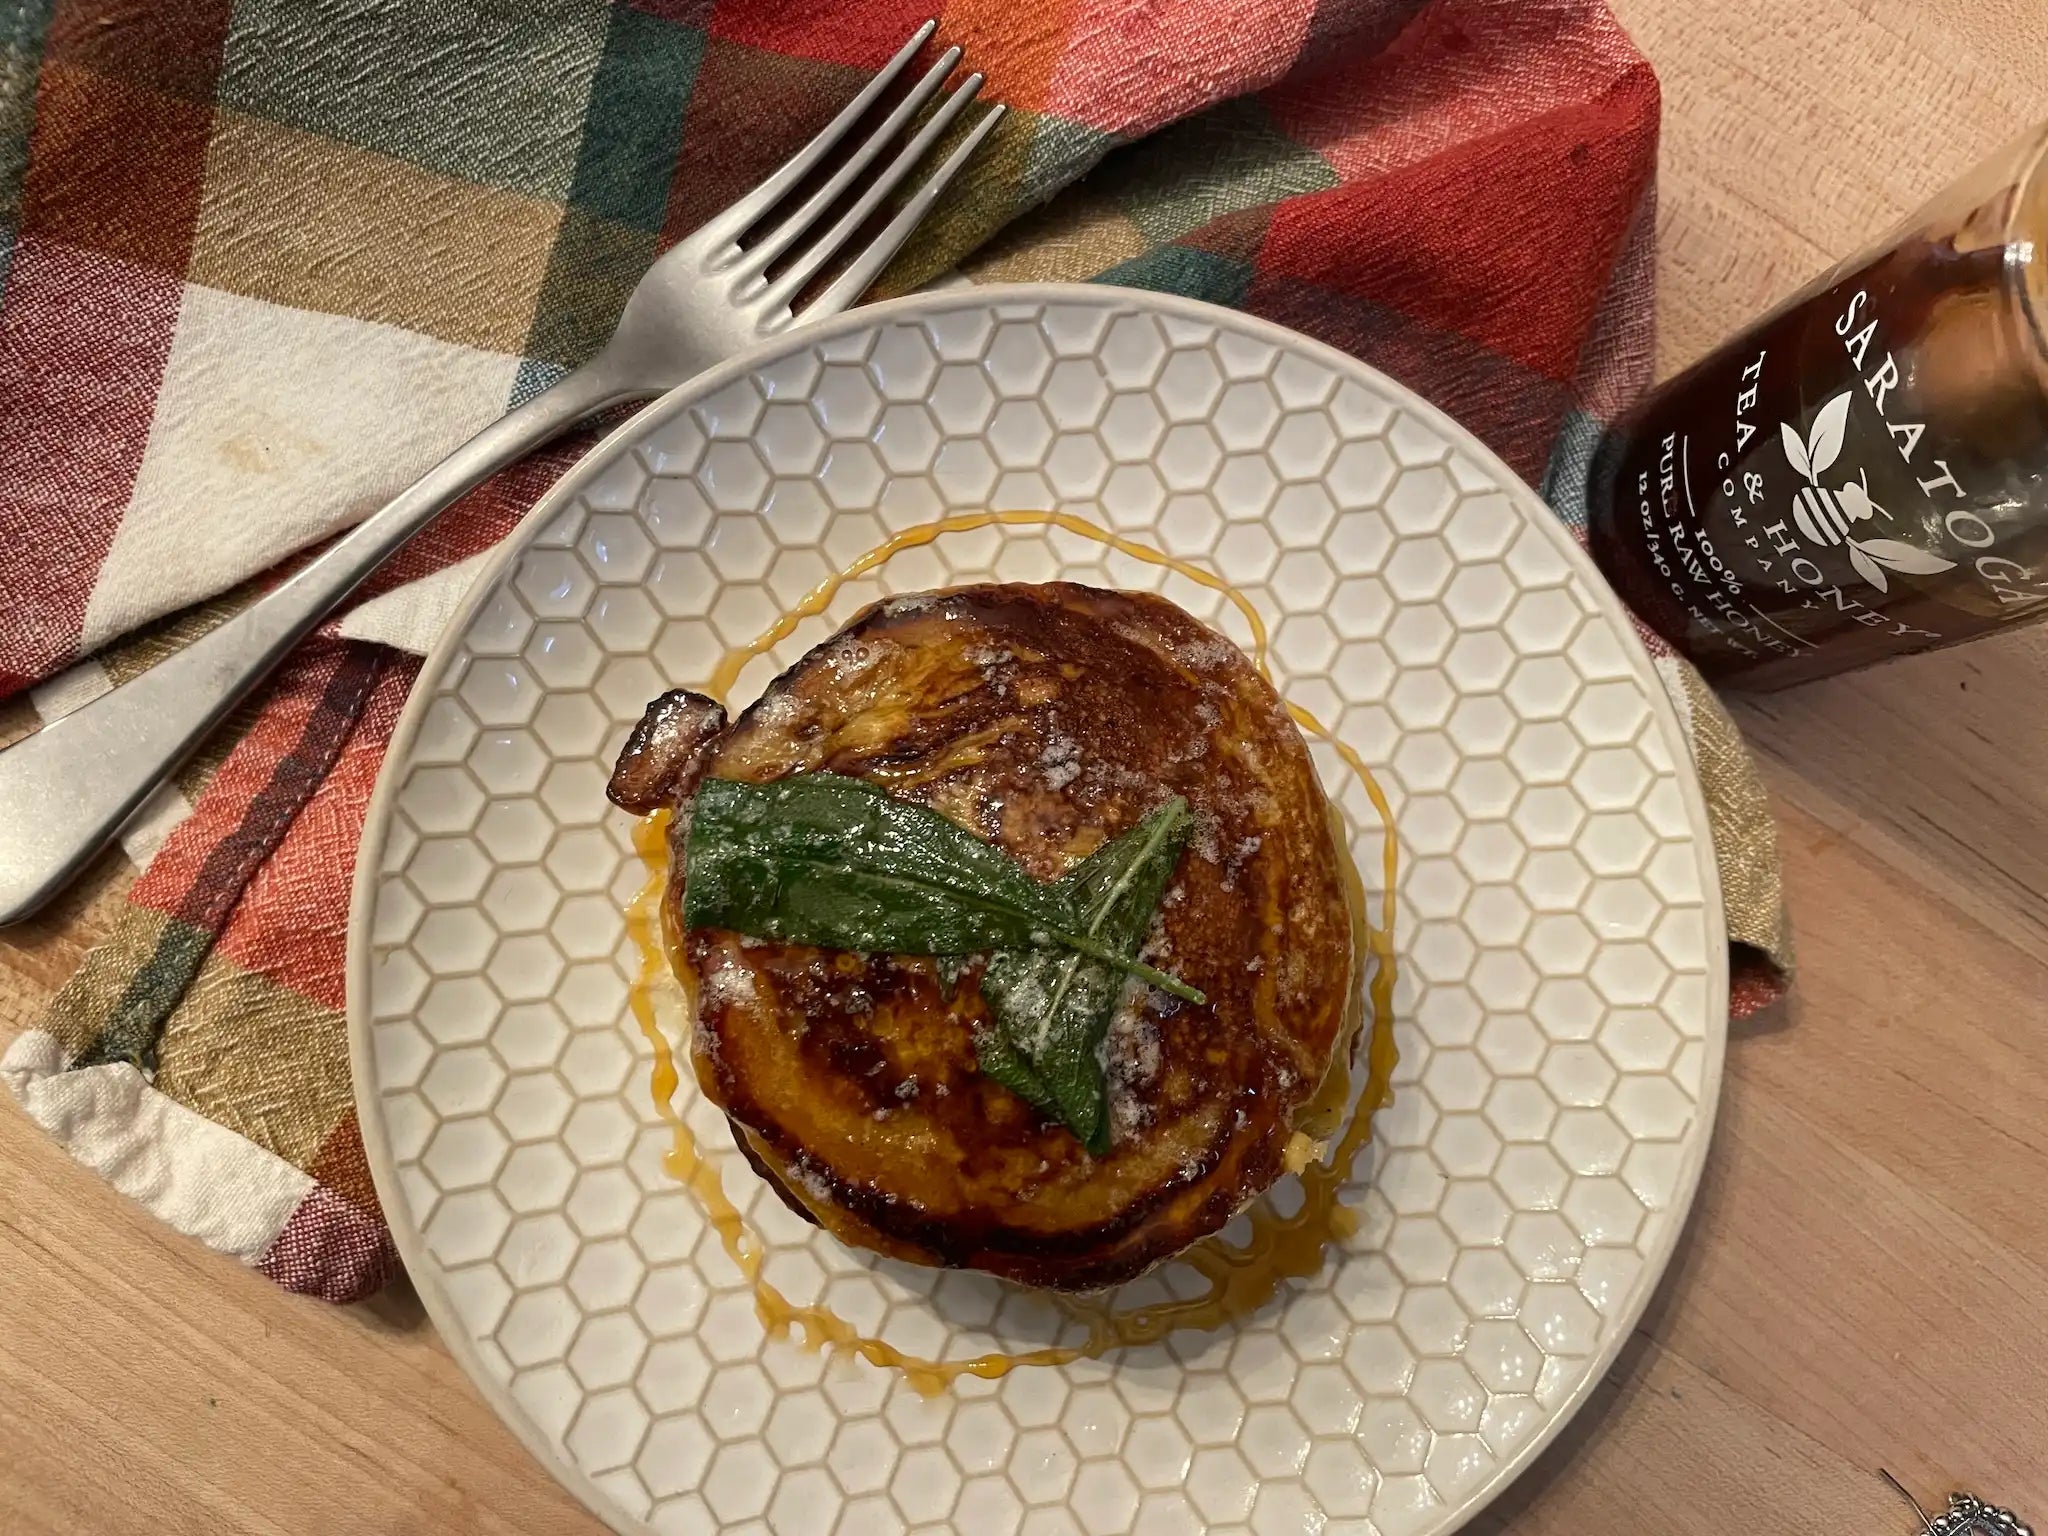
[1046,719]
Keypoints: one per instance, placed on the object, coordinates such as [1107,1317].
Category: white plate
[1562,980]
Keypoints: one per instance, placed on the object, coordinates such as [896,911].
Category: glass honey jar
[1863,473]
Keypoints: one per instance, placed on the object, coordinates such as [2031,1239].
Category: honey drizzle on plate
[1240,1276]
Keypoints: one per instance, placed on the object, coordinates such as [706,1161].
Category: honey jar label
[1789,496]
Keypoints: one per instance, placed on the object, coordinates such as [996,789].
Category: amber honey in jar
[1864,472]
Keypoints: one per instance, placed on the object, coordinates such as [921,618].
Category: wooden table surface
[1862,1283]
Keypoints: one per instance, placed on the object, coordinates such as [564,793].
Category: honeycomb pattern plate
[1561,995]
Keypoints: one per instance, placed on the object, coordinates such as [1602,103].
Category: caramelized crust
[1048,719]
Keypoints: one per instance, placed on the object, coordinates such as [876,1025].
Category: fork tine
[801,270]
[731,222]
[785,233]
[847,288]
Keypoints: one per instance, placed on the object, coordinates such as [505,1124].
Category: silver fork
[67,790]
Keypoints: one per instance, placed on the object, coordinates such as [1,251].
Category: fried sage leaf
[821,859]
[1002,1061]
[1053,1009]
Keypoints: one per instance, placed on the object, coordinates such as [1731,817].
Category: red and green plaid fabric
[263,261]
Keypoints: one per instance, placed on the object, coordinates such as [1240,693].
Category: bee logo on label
[1832,517]
[1826,516]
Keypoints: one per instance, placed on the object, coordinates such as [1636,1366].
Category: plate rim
[414,1255]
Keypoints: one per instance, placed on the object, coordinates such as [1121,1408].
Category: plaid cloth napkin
[264,262]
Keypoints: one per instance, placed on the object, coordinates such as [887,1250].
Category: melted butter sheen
[1240,1277]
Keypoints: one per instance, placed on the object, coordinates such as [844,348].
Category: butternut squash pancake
[1048,721]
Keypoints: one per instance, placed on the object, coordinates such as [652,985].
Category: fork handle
[67,790]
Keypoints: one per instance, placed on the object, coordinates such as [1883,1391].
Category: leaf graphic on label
[1910,558]
[1795,449]
[1868,568]
[1824,442]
